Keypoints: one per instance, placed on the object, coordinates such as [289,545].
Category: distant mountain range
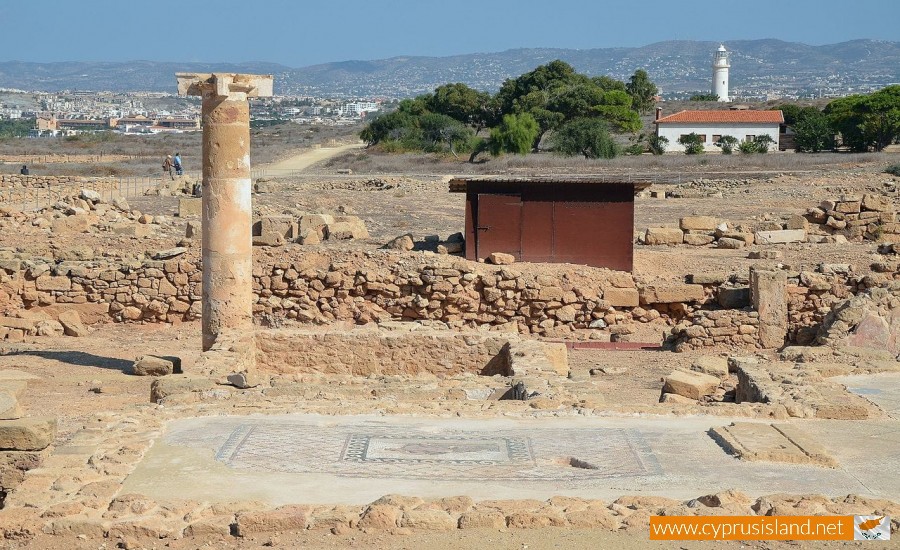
[758,68]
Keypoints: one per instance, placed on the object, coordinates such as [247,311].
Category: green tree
[812,132]
[881,117]
[642,91]
[760,144]
[845,116]
[462,103]
[616,108]
[704,97]
[657,144]
[585,136]
[515,135]
[692,143]
[442,129]
[727,144]
[16,127]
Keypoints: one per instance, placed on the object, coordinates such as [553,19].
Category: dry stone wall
[17,181]
[387,285]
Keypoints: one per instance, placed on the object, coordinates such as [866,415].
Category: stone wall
[386,285]
[363,352]
[870,320]
[17,181]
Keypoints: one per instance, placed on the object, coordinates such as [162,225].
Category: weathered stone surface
[501,258]
[152,365]
[622,297]
[674,398]
[164,387]
[701,223]
[9,407]
[269,239]
[782,236]
[284,518]
[189,207]
[27,434]
[403,242]
[244,380]
[663,235]
[729,243]
[430,520]
[797,222]
[712,365]
[776,443]
[671,294]
[690,384]
[169,253]
[72,325]
[873,331]
[698,240]
[877,203]
[479,519]
[768,291]
[132,229]
[50,282]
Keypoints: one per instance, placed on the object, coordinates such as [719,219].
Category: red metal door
[499,225]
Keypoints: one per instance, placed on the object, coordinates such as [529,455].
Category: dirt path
[308,158]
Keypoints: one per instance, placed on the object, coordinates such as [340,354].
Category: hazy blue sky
[299,33]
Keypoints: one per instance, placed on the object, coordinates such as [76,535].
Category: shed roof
[460,184]
[720,116]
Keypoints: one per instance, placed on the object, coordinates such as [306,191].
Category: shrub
[657,144]
[893,169]
[693,144]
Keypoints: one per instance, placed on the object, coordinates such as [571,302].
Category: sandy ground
[308,158]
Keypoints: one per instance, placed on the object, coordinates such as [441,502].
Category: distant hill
[759,67]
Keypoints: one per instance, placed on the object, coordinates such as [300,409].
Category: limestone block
[286,226]
[9,407]
[403,242]
[768,291]
[674,398]
[268,239]
[53,282]
[27,434]
[26,325]
[702,223]
[71,224]
[797,222]
[72,325]
[138,230]
[189,207]
[877,203]
[663,235]
[311,235]
[621,297]
[729,243]
[671,294]
[698,240]
[430,520]
[348,228]
[690,384]
[501,258]
[779,237]
[164,387]
[244,380]
[711,365]
[315,221]
[848,207]
[285,518]
[153,365]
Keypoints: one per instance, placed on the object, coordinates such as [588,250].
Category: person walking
[178,170]
[167,167]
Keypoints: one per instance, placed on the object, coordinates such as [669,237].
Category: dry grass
[674,165]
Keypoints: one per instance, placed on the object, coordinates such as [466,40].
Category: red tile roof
[739,117]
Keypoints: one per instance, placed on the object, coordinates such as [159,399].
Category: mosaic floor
[369,450]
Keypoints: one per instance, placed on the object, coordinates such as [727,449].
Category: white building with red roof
[712,125]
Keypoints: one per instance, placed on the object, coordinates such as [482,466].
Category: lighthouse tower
[720,73]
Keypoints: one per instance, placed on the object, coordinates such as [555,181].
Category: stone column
[226,209]
[768,290]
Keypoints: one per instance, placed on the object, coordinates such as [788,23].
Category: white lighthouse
[720,73]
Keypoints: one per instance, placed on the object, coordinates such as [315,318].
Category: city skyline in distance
[298,35]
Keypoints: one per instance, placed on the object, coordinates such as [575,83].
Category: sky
[299,33]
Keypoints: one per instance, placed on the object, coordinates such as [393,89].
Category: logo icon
[871,528]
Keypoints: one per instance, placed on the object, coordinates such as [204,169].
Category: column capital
[230,85]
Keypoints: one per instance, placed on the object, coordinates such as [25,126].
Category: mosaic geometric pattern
[410,452]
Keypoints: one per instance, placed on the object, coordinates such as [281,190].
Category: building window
[749,137]
[703,138]
[716,138]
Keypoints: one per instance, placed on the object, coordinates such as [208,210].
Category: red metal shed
[565,219]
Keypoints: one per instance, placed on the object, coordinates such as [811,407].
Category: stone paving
[355,459]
